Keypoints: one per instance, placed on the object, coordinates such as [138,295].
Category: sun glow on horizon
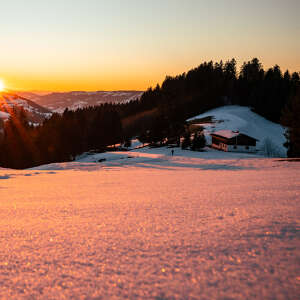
[2,86]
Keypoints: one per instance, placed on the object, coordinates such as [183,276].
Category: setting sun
[1,85]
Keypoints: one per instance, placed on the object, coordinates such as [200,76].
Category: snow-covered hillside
[242,119]
[9,101]
[153,227]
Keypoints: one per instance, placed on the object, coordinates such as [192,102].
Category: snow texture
[146,225]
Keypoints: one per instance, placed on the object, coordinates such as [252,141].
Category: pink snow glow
[166,230]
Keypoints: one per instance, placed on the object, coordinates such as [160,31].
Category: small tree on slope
[199,141]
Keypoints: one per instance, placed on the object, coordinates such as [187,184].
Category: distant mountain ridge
[59,101]
[10,101]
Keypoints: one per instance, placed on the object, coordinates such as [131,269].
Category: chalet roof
[229,134]
[226,133]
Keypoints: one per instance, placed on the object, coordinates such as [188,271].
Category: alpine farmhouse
[233,141]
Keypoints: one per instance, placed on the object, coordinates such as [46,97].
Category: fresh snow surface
[242,119]
[147,225]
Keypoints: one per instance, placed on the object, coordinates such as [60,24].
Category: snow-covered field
[146,225]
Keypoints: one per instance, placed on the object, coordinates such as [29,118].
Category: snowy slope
[165,228]
[4,115]
[9,101]
[209,159]
[241,118]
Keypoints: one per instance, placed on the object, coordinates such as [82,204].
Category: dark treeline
[160,113]
[60,138]
[211,85]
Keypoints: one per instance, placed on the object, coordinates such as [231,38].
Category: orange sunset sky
[112,45]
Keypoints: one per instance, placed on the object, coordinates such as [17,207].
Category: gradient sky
[134,44]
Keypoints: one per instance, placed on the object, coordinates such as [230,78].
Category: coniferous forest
[160,113]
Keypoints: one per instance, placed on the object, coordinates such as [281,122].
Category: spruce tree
[199,141]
